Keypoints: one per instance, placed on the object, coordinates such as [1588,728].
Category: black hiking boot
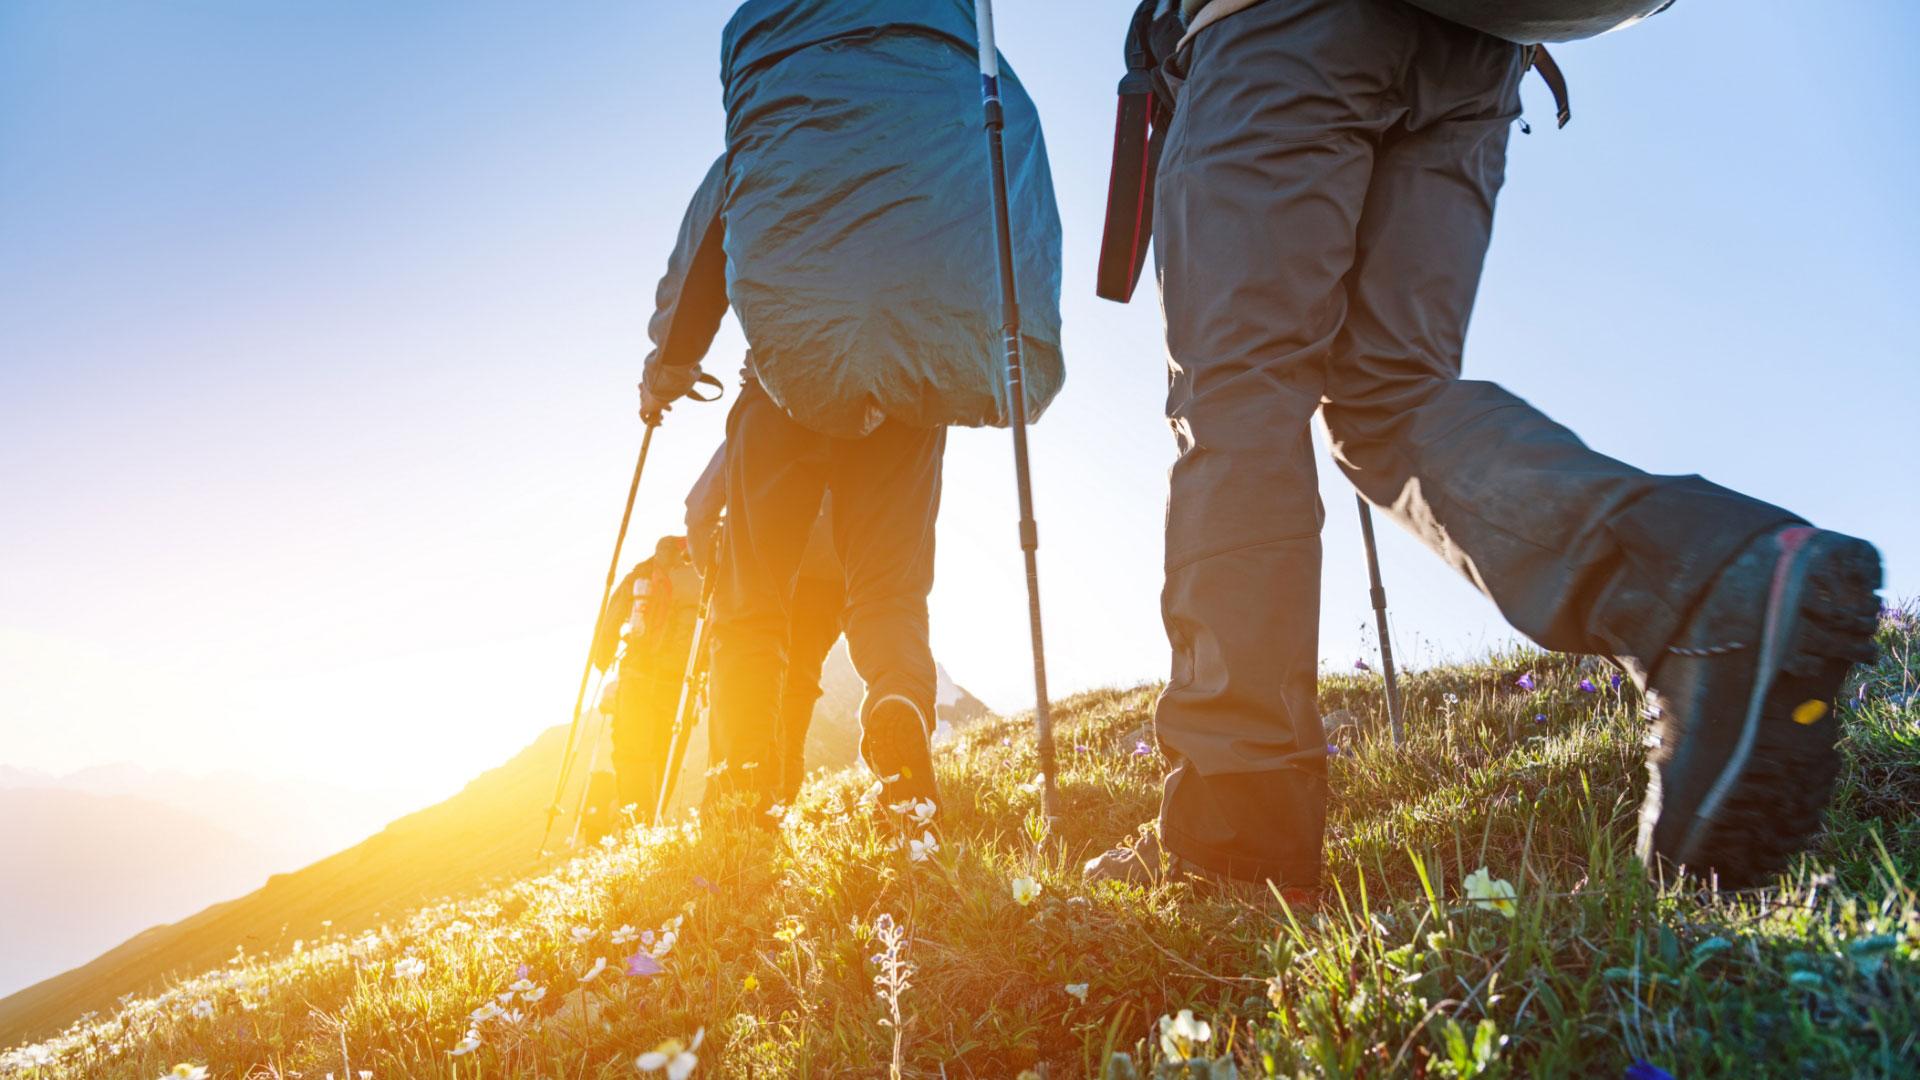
[1146,862]
[894,740]
[1743,703]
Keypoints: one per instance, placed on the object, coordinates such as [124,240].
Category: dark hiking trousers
[886,495]
[643,712]
[1326,198]
[813,626]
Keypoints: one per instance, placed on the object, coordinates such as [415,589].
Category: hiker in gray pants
[1325,201]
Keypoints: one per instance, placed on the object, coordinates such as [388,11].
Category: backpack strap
[1540,60]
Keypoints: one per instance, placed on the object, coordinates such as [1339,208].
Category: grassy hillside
[816,945]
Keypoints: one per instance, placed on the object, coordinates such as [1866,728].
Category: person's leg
[886,498]
[1581,552]
[1740,622]
[813,625]
[776,473]
[1261,185]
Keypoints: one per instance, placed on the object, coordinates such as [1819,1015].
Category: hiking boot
[894,741]
[1146,862]
[1743,703]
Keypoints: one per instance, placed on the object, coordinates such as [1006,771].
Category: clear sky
[319,323]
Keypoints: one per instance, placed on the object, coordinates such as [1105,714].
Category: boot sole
[896,744]
[1767,802]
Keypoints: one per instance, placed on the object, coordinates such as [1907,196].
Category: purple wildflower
[1616,680]
[1587,687]
[1539,718]
[1332,750]
[522,971]
[1525,682]
[1645,1070]
[642,964]
[1361,665]
[1082,748]
[1141,749]
[700,882]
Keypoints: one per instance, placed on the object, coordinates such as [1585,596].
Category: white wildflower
[1025,891]
[922,849]
[677,1058]
[467,1045]
[624,935]
[599,965]
[1078,990]
[409,967]
[1182,1038]
[1489,892]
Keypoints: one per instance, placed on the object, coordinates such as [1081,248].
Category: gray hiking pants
[886,498]
[1326,198]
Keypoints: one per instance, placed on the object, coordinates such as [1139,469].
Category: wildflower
[202,1009]
[1078,990]
[1141,749]
[523,985]
[623,935]
[1182,1037]
[409,967]
[522,972]
[1082,748]
[922,849]
[1616,681]
[534,995]
[1525,682]
[700,882]
[1539,718]
[1489,892]
[184,1071]
[750,983]
[467,1045]
[642,964]
[599,965]
[790,929]
[1361,665]
[1025,891]
[485,1013]
[777,811]
[1451,699]
[582,934]
[675,1057]
[1033,786]
[1332,750]
[1587,687]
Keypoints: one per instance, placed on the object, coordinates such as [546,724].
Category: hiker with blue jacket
[1324,201]
[849,227]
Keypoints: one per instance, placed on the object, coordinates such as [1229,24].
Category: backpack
[1530,22]
[860,241]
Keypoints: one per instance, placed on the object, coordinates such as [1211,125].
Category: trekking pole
[1380,618]
[996,122]
[593,759]
[586,671]
[682,730]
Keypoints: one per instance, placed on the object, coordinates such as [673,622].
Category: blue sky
[319,324]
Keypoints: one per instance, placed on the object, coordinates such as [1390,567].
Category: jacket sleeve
[692,298]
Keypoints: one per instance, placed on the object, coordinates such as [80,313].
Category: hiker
[646,633]
[1325,198]
[850,226]
[814,614]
